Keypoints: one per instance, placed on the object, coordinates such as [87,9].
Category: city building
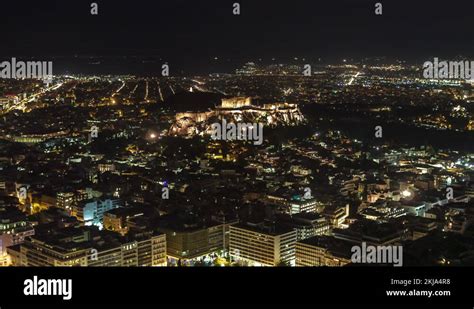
[87,246]
[189,241]
[303,205]
[306,224]
[92,211]
[336,215]
[14,228]
[323,251]
[260,245]
[372,232]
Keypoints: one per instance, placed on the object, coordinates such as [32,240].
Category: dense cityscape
[233,152]
[124,170]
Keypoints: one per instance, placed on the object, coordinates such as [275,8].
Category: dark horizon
[193,36]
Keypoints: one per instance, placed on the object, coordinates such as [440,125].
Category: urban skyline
[235,133]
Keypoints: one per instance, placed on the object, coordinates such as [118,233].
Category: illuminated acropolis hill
[236,102]
[195,116]
[238,109]
[246,103]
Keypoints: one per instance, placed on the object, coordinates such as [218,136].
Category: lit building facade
[323,251]
[91,212]
[13,230]
[83,248]
[261,247]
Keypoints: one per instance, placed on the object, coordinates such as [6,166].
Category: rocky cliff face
[270,115]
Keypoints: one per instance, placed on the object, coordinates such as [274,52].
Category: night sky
[190,34]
